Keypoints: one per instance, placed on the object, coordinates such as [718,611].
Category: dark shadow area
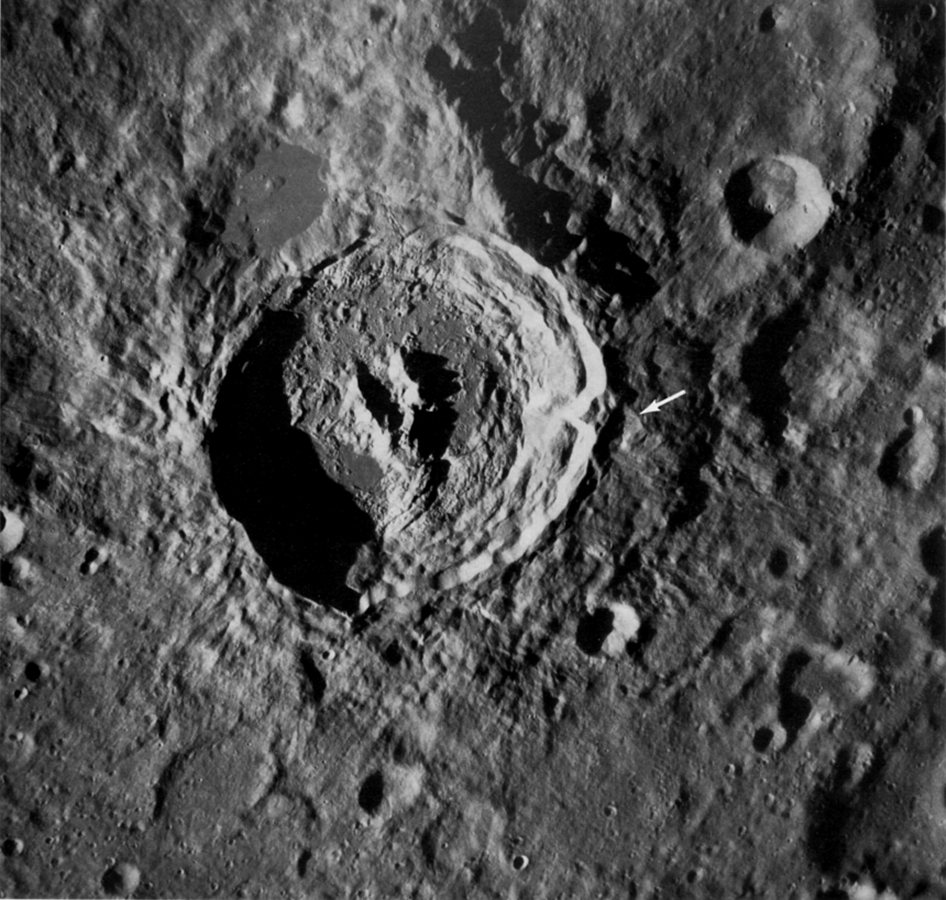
[610,262]
[747,219]
[593,631]
[722,635]
[306,527]
[392,654]
[436,384]
[597,106]
[834,805]
[793,708]
[829,812]
[645,635]
[314,681]
[918,66]
[433,424]
[933,551]
[767,20]
[203,226]
[761,739]
[779,562]
[889,469]
[884,146]
[536,135]
[371,793]
[933,220]
[761,371]
[537,215]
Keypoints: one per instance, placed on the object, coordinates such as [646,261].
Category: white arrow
[655,406]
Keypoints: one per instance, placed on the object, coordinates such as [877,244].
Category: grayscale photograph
[473,449]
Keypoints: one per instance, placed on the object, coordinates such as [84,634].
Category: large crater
[446,384]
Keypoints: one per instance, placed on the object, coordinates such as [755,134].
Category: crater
[777,204]
[420,417]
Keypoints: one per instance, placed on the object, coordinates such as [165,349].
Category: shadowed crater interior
[756,194]
[433,425]
[747,218]
[306,527]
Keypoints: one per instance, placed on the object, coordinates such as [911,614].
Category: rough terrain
[338,559]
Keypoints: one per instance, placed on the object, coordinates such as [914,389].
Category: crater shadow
[747,220]
[593,631]
[434,422]
[306,527]
[537,214]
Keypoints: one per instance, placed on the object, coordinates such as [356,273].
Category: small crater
[371,793]
[33,671]
[889,469]
[121,880]
[794,708]
[392,654]
[65,164]
[748,213]
[12,531]
[779,562]
[933,551]
[593,630]
[17,572]
[768,20]
[762,739]
[936,347]
[12,847]
[520,861]
[92,561]
[552,704]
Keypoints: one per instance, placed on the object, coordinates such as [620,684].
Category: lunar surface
[473,449]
